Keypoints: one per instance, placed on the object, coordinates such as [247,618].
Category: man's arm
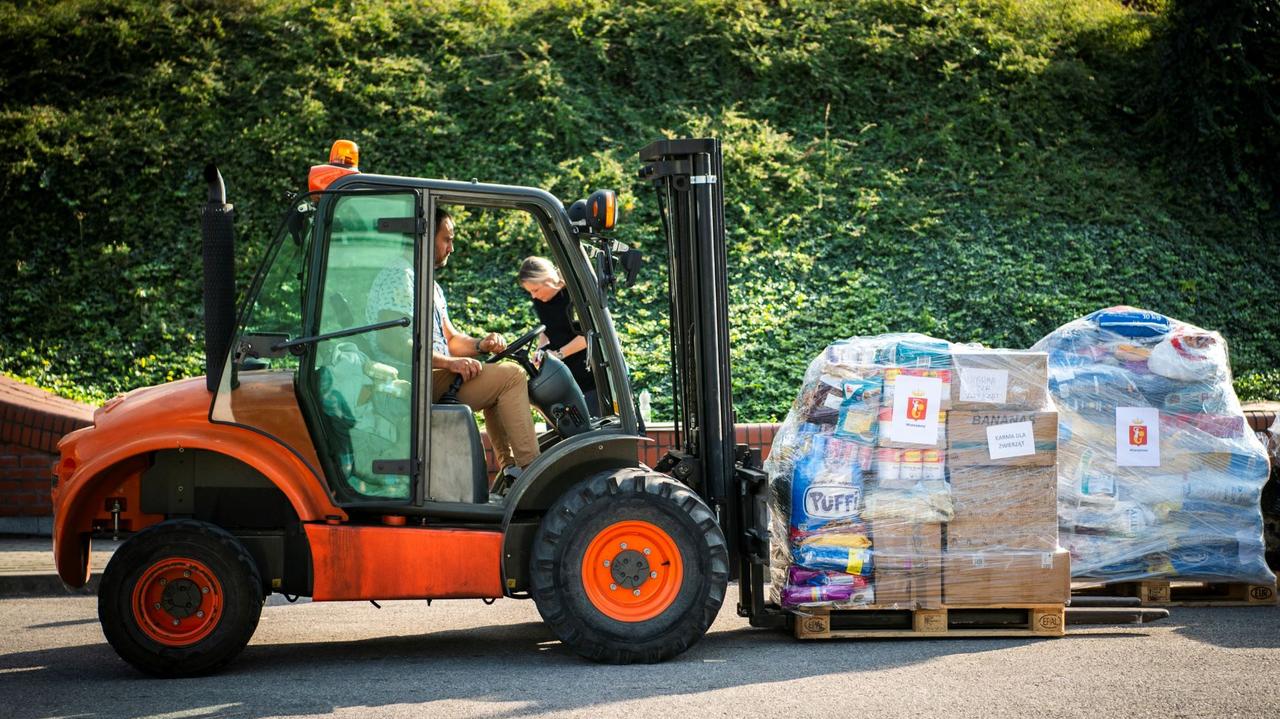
[461,345]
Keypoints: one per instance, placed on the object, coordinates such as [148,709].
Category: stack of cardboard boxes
[1001,546]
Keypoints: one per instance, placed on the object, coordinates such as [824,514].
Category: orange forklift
[301,465]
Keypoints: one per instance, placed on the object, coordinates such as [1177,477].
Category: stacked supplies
[886,449]
[1159,476]
[1002,545]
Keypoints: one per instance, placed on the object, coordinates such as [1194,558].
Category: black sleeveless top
[555,315]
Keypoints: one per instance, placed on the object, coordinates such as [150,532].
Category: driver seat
[457,470]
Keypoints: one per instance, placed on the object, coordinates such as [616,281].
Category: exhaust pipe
[216,219]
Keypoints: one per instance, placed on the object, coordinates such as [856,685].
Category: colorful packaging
[865,507]
[1158,475]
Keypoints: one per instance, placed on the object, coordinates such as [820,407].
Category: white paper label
[916,401]
[1137,437]
[988,386]
[833,401]
[1011,440]
[1046,560]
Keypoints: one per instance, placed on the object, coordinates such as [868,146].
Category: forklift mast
[688,177]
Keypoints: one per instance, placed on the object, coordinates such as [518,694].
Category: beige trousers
[501,392]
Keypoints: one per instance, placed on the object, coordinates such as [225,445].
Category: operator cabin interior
[359,404]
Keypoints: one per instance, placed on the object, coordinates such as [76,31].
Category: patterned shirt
[393,290]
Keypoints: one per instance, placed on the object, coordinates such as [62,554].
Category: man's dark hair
[441,214]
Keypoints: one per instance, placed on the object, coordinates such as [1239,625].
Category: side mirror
[631,261]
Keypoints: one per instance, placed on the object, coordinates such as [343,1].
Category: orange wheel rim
[632,571]
[177,601]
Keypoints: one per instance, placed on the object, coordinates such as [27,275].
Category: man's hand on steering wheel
[519,344]
[492,342]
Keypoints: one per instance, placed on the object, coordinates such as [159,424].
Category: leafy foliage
[975,170]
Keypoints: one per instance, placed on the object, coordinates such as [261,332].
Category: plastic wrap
[1159,476]
[912,473]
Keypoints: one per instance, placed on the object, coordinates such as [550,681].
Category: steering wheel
[517,345]
[451,395]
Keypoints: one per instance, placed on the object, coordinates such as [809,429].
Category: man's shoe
[506,479]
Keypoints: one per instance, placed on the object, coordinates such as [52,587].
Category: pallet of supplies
[1159,477]
[916,474]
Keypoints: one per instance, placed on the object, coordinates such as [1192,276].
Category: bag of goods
[1159,476]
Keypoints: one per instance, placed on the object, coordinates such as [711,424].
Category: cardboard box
[908,564]
[986,489]
[1003,532]
[999,379]
[970,445]
[919,588]
[1003,578]
[904,545]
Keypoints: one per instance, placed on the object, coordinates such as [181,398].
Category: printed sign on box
[1137,437]
[916,402]
[1016,439]
[988,386]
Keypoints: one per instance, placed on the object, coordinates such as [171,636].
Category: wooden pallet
[1157,593]
[1015,620]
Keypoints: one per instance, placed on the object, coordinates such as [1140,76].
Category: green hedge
[973,170]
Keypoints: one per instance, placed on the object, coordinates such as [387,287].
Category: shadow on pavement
[506,668]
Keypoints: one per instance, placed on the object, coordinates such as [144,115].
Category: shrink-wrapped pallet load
[1159,476]
[893,441]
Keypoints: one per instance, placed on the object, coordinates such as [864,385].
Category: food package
[864,495]
[1159,476]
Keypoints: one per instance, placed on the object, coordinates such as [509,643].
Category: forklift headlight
[602,210]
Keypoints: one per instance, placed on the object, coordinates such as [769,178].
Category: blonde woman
[540,278]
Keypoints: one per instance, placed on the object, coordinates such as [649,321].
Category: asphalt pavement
[465,659]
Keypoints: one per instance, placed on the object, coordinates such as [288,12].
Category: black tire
[591,507]
[214,554]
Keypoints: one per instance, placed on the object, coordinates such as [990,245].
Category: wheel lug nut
[163,581]
[613,586]
[624,545]
[200,614]
[647,550]
[187,573]
[606,562]
[175,622]
[653,575]
[204,590]
[636,592]
[157,605]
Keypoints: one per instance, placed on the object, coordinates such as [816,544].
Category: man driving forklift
[499,390]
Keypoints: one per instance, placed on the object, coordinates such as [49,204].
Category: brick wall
[31,423]
[758,436]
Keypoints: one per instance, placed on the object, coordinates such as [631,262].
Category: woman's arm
[573,346]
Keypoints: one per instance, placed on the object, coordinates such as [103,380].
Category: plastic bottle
[646,406]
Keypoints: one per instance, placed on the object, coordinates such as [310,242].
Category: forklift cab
[318,318]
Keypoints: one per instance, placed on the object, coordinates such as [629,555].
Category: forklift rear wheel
[180,598]
[629,566]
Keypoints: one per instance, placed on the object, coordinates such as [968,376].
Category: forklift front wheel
[629,566]
[180,598]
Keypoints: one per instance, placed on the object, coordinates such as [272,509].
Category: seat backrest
[457,471]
